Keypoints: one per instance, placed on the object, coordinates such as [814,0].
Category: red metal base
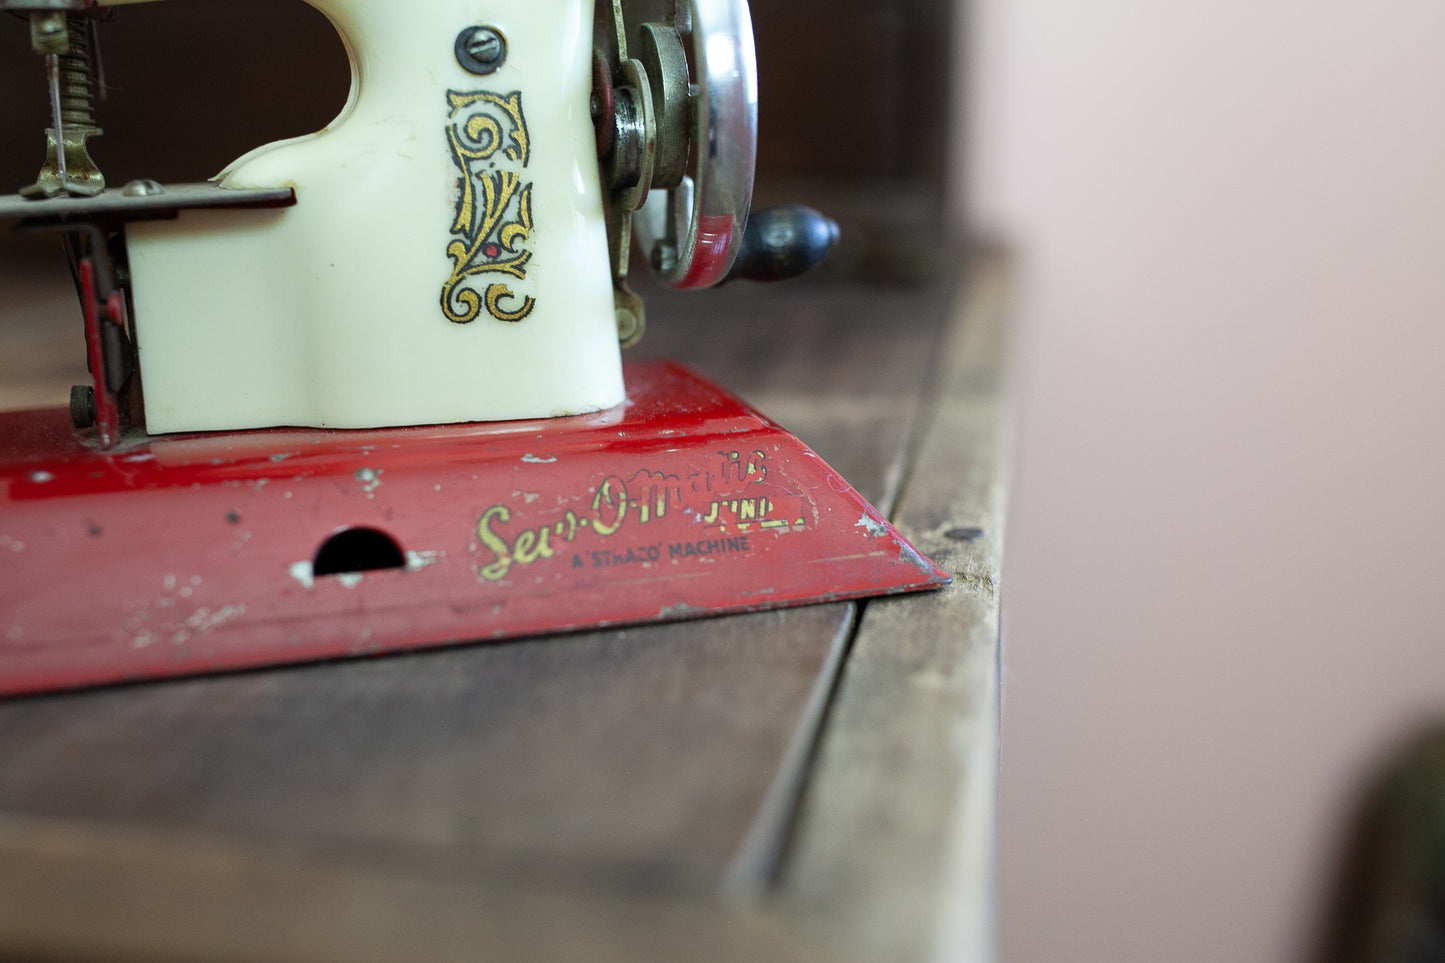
[192,553]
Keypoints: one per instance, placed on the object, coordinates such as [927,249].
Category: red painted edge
[175,555]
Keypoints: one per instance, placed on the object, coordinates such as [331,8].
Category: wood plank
[839,365]
[803,338]
[894,841]
[632,759]
[71,893]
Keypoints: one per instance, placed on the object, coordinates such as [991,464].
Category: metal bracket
[93,229]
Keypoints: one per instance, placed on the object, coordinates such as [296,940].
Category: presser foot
[80,176]
[176,555]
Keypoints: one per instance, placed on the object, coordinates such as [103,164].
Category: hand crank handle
[783,242]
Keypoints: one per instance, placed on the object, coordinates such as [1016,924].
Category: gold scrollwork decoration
[487,134]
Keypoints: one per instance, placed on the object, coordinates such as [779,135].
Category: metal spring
[77,75]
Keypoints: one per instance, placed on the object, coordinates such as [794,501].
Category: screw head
[142,187]
[49,33]
[481,50]
[627,324]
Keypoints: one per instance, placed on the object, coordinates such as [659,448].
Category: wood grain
[115,896]
[894,843]
[631,759]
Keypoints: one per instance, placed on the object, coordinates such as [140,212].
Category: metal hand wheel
[691,232]
[676,138]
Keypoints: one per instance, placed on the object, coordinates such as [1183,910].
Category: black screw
[481,50]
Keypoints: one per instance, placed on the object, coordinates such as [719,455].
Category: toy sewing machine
[363,391]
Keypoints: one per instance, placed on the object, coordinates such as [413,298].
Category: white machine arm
[458,247]
[446,258]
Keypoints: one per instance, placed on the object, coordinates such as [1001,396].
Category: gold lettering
[612,492]
[532,545]
[567,527]
[498,569]
[758,467]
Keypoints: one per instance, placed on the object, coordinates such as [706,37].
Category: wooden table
[814,784]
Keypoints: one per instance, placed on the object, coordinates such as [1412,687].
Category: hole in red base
[357,550]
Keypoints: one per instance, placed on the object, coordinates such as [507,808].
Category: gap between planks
[894,840]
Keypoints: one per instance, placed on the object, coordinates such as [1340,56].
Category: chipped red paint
[180,554]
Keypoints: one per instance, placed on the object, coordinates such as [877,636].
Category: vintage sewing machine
[364,391]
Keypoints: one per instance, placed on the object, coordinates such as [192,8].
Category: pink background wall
[1224,595]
